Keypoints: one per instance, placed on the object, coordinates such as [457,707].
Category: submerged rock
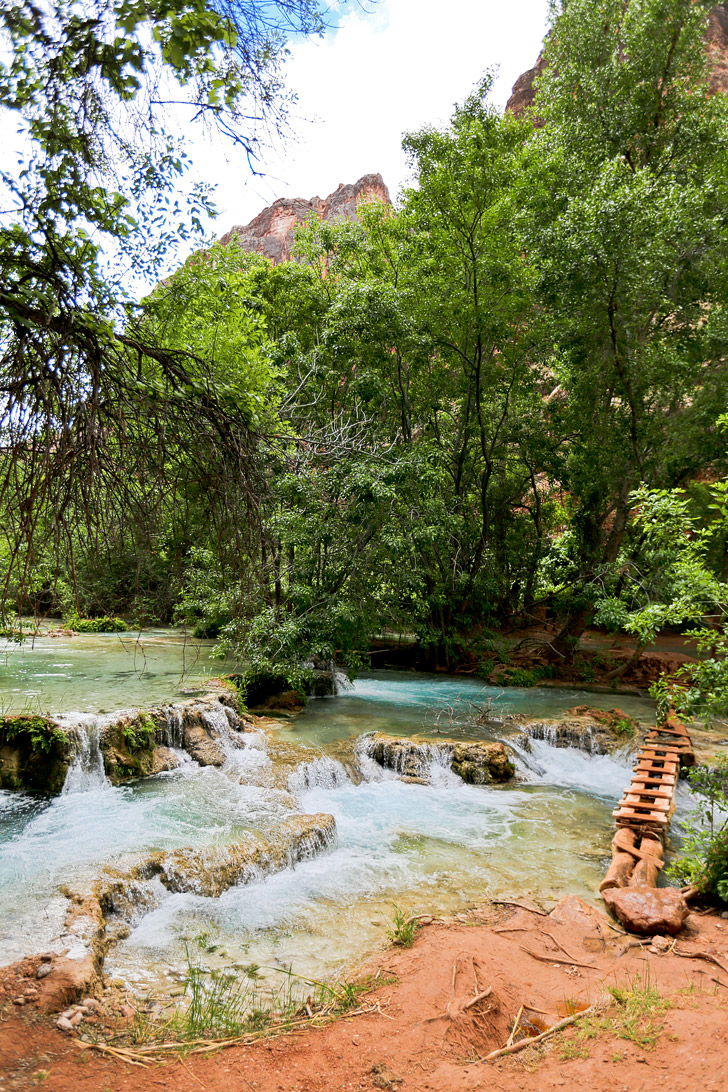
[477,762]
[211,870]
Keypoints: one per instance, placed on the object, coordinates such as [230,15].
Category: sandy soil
[424,1036]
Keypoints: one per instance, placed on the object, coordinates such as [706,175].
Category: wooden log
[648,869]
[620,870]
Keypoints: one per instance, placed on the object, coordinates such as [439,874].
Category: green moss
[139,734]
[34,733]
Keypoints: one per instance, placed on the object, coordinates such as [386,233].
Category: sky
[387,69]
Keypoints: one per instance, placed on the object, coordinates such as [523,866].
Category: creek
[434,848]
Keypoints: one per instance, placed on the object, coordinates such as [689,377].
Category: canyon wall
[271,233]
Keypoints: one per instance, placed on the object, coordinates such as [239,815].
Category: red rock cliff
[271,232]
[716,40]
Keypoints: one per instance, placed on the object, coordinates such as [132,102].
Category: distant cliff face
[271,232]
[716,41]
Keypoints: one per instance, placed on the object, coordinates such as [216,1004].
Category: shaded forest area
[500,404]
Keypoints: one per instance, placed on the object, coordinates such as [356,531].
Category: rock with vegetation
[128,747]
[35,753]
[478,762]
[595,731]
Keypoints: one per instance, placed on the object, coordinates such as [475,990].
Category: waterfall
[86,772]
[171,733]
[406,758]
[342,682]
[564,734]
[222,723]
[320,773]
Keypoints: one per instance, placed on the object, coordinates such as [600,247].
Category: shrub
[104,624]
[704,862]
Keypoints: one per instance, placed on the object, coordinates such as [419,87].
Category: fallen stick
[480,997]
[519,1014]
[555,959]
[520,905]
[511,929]
[723,984]
[558,944]
[523,1043]
[130,1056]
[702,955]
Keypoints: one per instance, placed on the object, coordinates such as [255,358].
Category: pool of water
[432,848]
[411,703]
[98,673]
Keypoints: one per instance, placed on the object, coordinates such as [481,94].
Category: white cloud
[399,67]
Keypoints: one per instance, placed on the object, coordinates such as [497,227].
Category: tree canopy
[469,412]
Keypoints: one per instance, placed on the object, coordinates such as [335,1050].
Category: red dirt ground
[424,1039]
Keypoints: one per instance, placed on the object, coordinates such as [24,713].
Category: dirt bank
[433,1021]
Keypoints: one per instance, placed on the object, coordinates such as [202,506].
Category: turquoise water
[411,703]
[98,673]
[432,848]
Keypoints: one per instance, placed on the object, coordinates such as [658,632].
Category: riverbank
[658,1010]
[602,662]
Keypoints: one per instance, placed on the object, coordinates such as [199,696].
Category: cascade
[171,733]
[342,682]
[86,772]
[408,758]
[320,773]
[563,734]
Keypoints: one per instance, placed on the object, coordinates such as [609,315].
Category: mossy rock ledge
[35,753]
[477,762]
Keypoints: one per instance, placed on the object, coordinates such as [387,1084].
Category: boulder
[477,762]
[200,746]
[164,759]
[67,980]
[35,753]
[481,763]
[648,910]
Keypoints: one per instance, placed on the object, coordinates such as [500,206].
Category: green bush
[105,624]
[263,680]
[704,862]
[525,677]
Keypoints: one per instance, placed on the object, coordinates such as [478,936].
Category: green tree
[93,200]
[625,221]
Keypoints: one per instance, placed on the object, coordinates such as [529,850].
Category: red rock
[648,910]
[71,978]
[271,232]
